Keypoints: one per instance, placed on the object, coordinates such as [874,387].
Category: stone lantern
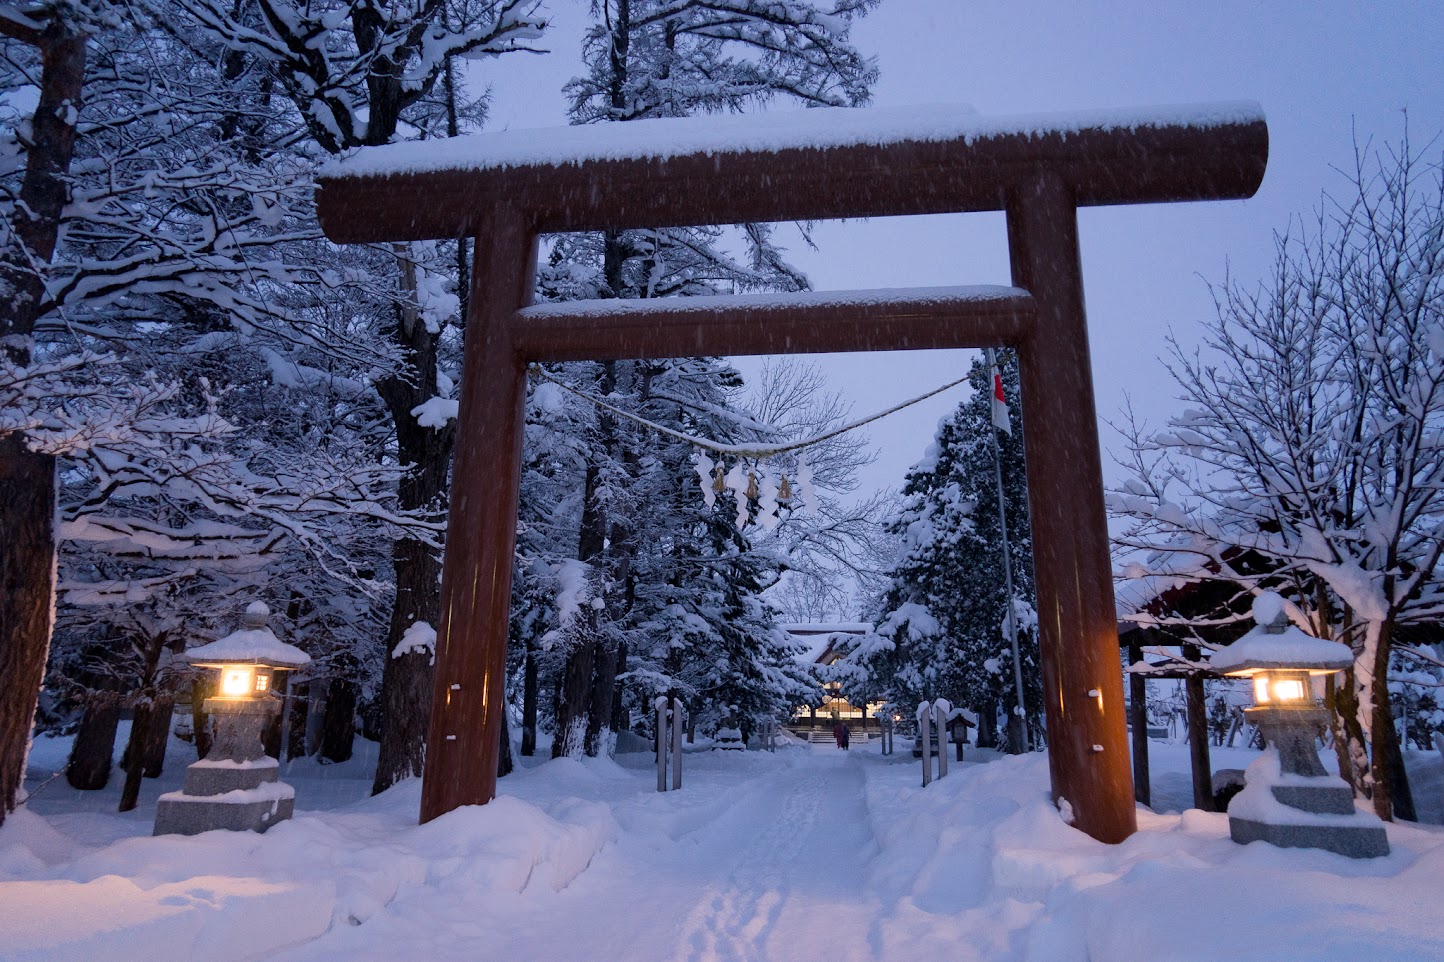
[235,786]
[1289,799]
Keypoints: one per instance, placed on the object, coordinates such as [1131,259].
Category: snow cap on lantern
[248,657]
[1274,644]
[1280,657]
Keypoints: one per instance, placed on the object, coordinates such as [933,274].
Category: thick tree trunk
[1392,796]
[574,698]
[94,746]
[132,760]
[504,762]
[599,714]
[529,703]
[201,689]
[27,590]
[1198,740]
[576,692]
[298,707]
[27,479]
[620,721]
[271,734]
[1353,752]
[157,737]
[988,724]
[406,679]
[338,730]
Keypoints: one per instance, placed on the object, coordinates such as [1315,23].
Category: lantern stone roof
[1274,643]
[253,644]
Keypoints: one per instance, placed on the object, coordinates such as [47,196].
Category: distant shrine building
[823,646]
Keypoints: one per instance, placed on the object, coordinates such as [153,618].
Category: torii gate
[505,189]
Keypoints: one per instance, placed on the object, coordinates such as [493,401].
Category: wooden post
[925,740]
[1138,718]
[663,743]
[677,710]
[1077,624]
[940,721]
[470,675]
[1198,753]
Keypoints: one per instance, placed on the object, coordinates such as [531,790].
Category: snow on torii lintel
[818,128]
[882,297]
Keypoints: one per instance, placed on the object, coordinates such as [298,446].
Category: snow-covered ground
[808,853]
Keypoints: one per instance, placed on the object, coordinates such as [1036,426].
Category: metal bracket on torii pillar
[1037,169]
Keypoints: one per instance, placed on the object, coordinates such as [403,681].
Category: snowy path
[809,853]
[736,866]
[799,881]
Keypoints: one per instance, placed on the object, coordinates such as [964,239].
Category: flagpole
[1017,720]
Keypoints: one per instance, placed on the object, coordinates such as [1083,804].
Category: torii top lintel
[793,165]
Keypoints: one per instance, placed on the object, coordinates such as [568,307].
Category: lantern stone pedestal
[235,786]
[1289,799]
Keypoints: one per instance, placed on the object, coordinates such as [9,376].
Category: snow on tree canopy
[253,644]
[667,137]
[1273,645]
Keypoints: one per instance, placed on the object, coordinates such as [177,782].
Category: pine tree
[942,623]
[667,58]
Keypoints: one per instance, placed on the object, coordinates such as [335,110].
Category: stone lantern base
[1290,801]
[235,786]
[1355,841]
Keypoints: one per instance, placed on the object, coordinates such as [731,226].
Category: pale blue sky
[1318,68]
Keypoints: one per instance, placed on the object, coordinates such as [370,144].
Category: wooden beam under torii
[506,189]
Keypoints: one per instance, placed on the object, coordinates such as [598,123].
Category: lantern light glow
[1277,688]
[237,681]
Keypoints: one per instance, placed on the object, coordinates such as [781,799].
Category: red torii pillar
[1039,170]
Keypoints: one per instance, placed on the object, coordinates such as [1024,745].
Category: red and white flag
[1000,405]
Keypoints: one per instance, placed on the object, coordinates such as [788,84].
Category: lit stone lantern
[1289,799]
[235,786]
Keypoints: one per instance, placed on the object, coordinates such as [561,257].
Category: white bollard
[925,741]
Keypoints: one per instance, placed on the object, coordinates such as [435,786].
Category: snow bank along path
[810,852]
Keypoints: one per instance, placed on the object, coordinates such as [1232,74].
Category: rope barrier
[740,450]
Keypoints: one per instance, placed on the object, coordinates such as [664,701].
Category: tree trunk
[406,679]
[1138,719]
[201,689]
[1334,704]
[504,762]
[299,708]
[988,724]
[1198,737]
[1392,796]
[620,719]
[338,730]
[157,737]
[27,589]
[528,703]
[572,710]
[573,701]
[27,479]
[133,758]
[94,746]
[604,686]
